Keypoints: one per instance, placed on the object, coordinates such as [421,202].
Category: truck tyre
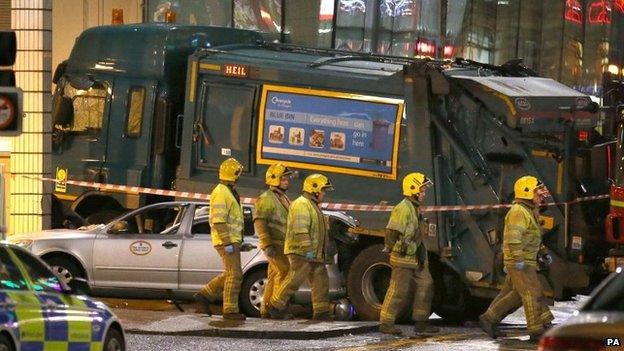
[103,217]
[252,291]
[367,282]
[64,268]
[452,300]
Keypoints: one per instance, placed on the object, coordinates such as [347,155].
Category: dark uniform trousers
[277,272]
[228,283]
[300,270]
[398,292]
[521,288]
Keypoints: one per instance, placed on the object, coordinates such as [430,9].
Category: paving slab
[194,324]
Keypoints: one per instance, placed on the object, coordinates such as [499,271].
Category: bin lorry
[162,105]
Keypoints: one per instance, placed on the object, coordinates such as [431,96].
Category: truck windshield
[88,106]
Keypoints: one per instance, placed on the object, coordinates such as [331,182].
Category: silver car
[598,325]
[160,251]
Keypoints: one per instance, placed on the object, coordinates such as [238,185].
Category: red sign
[573,12]
[619,5]
[600,12]
[233,70]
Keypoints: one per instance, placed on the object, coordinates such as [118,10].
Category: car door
[63,317]
[140,250]
[199,261]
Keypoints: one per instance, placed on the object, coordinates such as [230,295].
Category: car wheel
[114,341]
[5,343]
[252,291]
[64,268]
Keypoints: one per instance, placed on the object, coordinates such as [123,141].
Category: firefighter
[408,258]
[226,227]
[521,242]
[270,214]
[306,246]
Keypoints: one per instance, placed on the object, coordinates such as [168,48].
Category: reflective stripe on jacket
[275,213]
[522,236]
[225,209]
[306,229]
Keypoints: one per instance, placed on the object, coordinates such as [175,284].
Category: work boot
[389,329]
[234,316]
[425,328]
[323,316]
[490,328]
[274,313]
[202,303]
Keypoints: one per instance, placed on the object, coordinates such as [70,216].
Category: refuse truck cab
[115,111]
[366,121]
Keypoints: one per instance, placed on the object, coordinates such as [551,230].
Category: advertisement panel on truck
[330,131]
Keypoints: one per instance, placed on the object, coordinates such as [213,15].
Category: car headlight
[25,243]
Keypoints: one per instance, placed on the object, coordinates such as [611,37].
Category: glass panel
[309,22]
[135,112]
[42,278]
[10,276]
[261,15]
[350,25]
[89,108]
[200,12]
[226,118]
[201,227]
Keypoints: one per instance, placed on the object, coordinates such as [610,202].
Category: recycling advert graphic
[331,131]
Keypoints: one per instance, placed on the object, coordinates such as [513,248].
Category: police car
[40,312]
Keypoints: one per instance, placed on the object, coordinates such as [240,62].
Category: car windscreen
[610,297]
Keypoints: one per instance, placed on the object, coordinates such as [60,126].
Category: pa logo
[613,342]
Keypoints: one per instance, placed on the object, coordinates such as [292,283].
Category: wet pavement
[467,336]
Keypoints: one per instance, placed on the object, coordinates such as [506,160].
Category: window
[10,276]
[261,15]
[201,227]
[196,12]
[42,278]
[134,120]
[155,220]
[88,107]
[226,122]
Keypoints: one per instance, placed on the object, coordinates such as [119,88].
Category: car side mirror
[119,227]
[79,286]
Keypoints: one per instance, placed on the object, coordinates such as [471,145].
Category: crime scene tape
[326,206]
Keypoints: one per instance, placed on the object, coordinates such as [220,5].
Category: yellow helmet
[275,173]
[525,187]
[230,170]
[314,183]
[413,182]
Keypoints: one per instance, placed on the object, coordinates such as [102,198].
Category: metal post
[2,197]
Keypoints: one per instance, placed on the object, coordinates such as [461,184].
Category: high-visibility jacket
[523,235]
[269,208]
[225,209]
[306,230]
[406,250]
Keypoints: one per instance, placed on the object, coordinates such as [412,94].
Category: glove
[269,251]
[309,255]
[229,249]
[519,265]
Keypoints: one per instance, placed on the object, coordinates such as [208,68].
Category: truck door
[224,124]
[129,133]
[79,137]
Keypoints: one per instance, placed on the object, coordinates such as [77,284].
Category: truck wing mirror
[58,73]
[62,110]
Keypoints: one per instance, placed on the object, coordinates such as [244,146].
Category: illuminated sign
[232,70]
[329,131]
[619,5]
[600,12]
[573,12]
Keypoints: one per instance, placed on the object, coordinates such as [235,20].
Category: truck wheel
[103,217]
[251,293]
[368,281]
[452,300]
